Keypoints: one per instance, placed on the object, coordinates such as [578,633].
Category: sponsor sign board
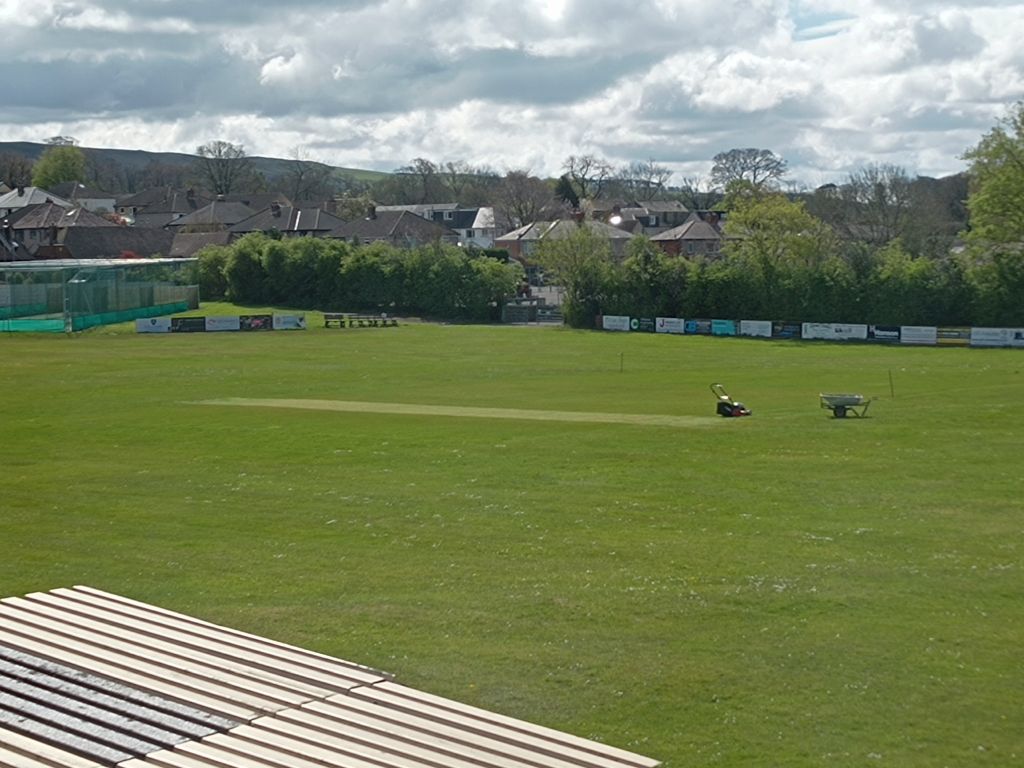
[723,327]
[642,324]
[756,328]
[153,325]
[784,330]
[952,337]
[615,322]
[670,325]
[698,326]
[188,324]
[833,331]
[997,337]
[223,323]
[256,322]
[884,333]
[289,322]
[918,334]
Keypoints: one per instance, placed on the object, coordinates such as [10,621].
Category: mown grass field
[784,590]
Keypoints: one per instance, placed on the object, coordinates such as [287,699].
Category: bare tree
[523,198]
[645,180]
[223,166]
[697,194]
[15,170]
[424,179]
[588,174]
[878,199]
[306,179]
[761,168]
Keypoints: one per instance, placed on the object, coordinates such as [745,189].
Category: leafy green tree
[57,164]
[580,263]
[996,200]
[761,168]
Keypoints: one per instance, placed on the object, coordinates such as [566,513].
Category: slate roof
[285,218]
[399,226]
[23,196]
[75,190]
[539,230]
[186,244]
[89,679]
[218,213]
[692,229]
[52,215]
[113,242]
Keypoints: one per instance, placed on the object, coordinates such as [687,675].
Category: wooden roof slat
[195,656]
[248,753]
[309,726]
[272,697]
[359,671]
[215,638]
[31,752]
[169,684]
[501,726]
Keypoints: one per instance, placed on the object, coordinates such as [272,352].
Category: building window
[691,247]
[469,234]
[449,215]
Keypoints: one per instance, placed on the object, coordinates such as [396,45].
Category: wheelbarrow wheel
[840,411]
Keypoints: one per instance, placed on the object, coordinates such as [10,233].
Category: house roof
[52,215]
[285,218]
[112,242]
[22,196]
[219,212]
[93,680]
[392,225]
[539,230]
[187,244]
[75,190]
[692,229]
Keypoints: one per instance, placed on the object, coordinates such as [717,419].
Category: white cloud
[828,83]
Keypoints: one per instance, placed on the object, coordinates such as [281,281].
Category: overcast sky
[830,85]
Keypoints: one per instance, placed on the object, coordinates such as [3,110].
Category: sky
[831,86]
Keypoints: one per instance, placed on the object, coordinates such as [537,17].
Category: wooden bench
[348,320]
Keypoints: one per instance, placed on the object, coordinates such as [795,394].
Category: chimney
[371,212]
[275,209]
[190,194]
[21,191]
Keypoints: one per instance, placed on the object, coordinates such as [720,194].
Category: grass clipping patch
[458,411]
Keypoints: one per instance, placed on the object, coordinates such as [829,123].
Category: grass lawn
[784,590]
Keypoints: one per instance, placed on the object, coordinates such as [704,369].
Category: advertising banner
[224,323]
[884,333]
[834,331]
[615,322]
[188,324]
[256,323]
[642,324]
[997,337]
[153,325]
[289,322]
[756,328]
[784,330]
[702,327]
[919,334]
[723,327]
[952,337]
[670,325]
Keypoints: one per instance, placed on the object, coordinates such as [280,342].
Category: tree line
[438,281]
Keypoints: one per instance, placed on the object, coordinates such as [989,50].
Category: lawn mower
[726,405]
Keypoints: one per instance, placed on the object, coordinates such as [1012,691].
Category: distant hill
[139,159]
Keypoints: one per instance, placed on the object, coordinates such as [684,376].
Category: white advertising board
[833,331]
[153,325]
[997,337]
[669,325]
[756,328]
[615,322]
[225,323]
[919,334]
[289,322]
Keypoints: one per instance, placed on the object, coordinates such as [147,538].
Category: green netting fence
[63,296]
